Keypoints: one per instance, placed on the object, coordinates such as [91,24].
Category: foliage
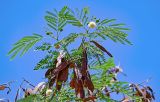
[24,45]
[83,73]
[47,62]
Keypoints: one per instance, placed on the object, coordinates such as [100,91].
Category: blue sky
[140,61]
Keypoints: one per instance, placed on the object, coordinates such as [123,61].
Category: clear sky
[140,61]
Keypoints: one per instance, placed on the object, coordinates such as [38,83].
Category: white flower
[92,24]
[48,92]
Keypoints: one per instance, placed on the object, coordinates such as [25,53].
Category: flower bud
[48,92]
[57,46]
[92,24]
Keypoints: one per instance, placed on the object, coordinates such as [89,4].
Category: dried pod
[2,87]
[102,48]
[61,77]
[72,83]
[72,65]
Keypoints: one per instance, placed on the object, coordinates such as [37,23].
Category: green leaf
[70,38]
[119,28]
[73,20]
[24,45]
[106,21]
[51,14]
[48,61]
[44,46]
[106,65]
[32,98]
[27,47]
[115,25]
[52,27]
[62,24]
[76,54]
[16,52]
[57,20]
[63,10]
[16,47]
[75,23]
[116,34]
[52,22]
[86,10]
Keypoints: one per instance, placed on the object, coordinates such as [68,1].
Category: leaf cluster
[24,44]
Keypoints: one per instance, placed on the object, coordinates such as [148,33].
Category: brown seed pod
[2,87]
[72,65]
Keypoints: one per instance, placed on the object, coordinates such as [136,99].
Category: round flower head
[48,92]
[92,24]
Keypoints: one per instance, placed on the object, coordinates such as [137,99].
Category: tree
[83,73]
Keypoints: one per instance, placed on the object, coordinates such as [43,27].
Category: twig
[145,81]
[28,82]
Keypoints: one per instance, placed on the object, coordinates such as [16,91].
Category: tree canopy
[86,72]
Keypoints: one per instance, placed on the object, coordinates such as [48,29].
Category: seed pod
[2,87]
[72,65]
[101,47]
